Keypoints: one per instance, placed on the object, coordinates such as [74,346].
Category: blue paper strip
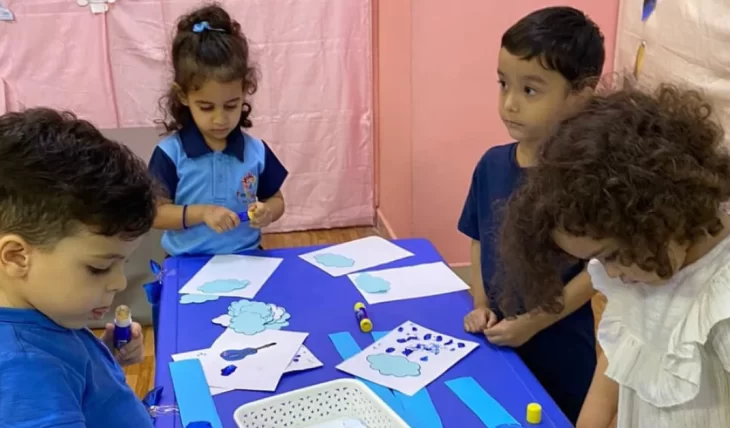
[193,393]
[491,413]
[347,347]
[419,407]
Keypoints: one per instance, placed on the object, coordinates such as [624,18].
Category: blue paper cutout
[251,317]
[334,260]
[197,298]
[487,409]
[223,286]
[648,9]
[393,365]
[372,284]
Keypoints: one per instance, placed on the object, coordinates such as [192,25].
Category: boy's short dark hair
[564,39]
[58,172]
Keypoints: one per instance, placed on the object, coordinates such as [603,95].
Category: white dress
[668,346]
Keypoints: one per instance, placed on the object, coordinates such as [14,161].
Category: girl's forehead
[214,91]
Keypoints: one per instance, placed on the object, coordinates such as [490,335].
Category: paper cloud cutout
[394,365]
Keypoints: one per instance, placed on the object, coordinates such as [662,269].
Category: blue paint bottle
[122,326]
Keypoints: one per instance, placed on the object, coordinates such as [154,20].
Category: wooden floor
[141,377]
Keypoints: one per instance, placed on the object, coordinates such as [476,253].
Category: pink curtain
[314,104]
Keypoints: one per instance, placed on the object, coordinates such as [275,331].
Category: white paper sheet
[408,282]
[408,358]
[232,275]
[356,255]
[259,372]
[303,359]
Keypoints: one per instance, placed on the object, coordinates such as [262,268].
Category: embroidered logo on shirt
[247,195]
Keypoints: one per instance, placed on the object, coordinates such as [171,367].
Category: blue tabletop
[321,304]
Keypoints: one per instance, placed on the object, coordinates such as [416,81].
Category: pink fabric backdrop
[314,104]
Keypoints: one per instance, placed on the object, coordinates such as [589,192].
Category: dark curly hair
[58,173]
[221,54]
[636,167]
[564,39]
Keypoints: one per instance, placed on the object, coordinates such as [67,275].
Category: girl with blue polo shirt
[223,185]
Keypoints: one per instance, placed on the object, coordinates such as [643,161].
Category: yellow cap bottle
[534,413]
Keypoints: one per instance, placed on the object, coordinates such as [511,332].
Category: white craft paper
[259,372]
[303,359]
[408,282]
[353,256]
[429,355]
[222,274]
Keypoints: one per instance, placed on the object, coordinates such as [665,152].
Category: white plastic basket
[316,404]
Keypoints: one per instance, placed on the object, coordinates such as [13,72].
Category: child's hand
[220,219]
[261,215]
[479,319]
[132,352]
[512,332]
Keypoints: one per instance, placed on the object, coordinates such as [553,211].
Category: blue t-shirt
[563,356]
[51,376]
[192,173]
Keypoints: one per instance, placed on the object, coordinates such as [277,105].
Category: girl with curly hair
[223,185]
[633,183]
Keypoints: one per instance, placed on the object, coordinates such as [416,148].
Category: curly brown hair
[640,168]
[220,53]
[58,172]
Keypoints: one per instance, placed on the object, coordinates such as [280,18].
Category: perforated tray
[325,402]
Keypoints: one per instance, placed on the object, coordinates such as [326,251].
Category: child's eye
[232,107]
[530,91]
[502,83]
[206,108]
[96,271]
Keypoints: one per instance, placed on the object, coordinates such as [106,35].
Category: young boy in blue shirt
[548,62]
[73,206]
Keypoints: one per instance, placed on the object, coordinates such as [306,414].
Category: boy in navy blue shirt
[73,206]
[549,61]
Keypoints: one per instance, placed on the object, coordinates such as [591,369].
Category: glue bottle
[122,326]
[366,326]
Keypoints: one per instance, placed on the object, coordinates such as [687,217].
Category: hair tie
[204,26]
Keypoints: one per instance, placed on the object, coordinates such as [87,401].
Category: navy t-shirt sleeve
[469,220]
[35,393]
[163,169]
[272,177]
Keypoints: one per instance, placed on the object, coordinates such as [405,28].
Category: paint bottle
[122,326]
[361,315]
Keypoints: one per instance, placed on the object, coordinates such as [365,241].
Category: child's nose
[117,283]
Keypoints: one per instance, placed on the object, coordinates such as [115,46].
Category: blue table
[300,287]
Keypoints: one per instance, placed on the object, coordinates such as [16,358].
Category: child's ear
[14,256]
[180,94]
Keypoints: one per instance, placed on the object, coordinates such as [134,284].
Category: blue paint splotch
[334,260]
[223,286]
[186,299]
[250,317]
[394,365]
[372,284]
